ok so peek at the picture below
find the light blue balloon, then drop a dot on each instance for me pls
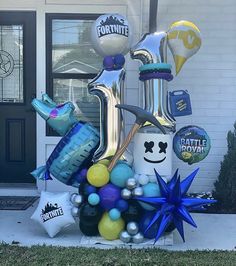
(114, 214)
(150, 190)
(120, 174)
(93, 199)
(59, 117)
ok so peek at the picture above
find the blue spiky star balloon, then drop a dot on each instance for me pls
(173, 206)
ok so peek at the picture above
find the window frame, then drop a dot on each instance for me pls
(50, 76)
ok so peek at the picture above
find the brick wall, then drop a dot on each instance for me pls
(209, 76)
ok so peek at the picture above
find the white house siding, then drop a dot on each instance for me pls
(209, 76)
(133, 10)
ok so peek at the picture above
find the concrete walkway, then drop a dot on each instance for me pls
(215, 231)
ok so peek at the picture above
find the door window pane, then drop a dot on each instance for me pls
(72, 50)
(11, 64)
(75, 90)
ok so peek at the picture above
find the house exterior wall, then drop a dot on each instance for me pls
(209, 77)
(133, 10)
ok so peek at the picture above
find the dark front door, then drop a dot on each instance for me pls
(17, 88)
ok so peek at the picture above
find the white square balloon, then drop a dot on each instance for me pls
(153, 150)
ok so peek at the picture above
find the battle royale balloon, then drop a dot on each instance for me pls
(191, 144)
(184, 40)
(151, 50)
(111, 35)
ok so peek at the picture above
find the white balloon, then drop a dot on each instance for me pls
(54, 212)
(111, 35)
(143, 179)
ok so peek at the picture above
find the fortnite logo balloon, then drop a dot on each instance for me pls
(111, 35)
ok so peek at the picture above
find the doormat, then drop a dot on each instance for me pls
(16, 202)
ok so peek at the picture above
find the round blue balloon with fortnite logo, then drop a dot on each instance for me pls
(191, 144)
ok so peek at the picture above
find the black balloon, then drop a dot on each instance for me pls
(85, 189)
(170, 228)
(90, 215)
(133, 213)
(89, 229)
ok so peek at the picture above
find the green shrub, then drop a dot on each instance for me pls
(225, 186)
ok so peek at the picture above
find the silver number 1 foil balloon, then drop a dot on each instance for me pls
(152, 49)
(108, 86)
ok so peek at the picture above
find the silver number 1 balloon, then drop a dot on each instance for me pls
(108, 86)
(152, 48)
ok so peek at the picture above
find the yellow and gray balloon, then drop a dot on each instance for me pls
(184, 40)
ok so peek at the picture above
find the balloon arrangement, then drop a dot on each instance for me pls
(115, 200)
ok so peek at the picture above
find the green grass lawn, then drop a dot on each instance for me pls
(42, 255)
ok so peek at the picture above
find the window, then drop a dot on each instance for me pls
(72, 63)
(11, 64)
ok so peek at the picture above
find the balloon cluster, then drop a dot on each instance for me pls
(109, 204)
(112, 201)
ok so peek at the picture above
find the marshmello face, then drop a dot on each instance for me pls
(151, 151)
(149, 147)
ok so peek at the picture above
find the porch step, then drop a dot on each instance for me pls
(18, 190)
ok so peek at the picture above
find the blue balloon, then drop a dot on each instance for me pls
(114, 214)
(93, 199)
(150, 190)
(120, 174)
(59, 117)
(191, 144)
(73, 153)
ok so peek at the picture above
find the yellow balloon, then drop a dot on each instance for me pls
(108, 229)
(184, 40)
(98, 175)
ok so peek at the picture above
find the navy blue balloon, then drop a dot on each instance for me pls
(108, 62)
(80, 177)
(86, 189)
(145, 221)
(173, 206)
(122, 205)
(119, 61)
(90, 189)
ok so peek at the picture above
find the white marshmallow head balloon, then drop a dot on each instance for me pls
(54, 212)
(111, 35)
(152, 150)
(184, 40)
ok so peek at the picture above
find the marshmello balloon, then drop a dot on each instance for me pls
(111, 35)
(151, 151)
